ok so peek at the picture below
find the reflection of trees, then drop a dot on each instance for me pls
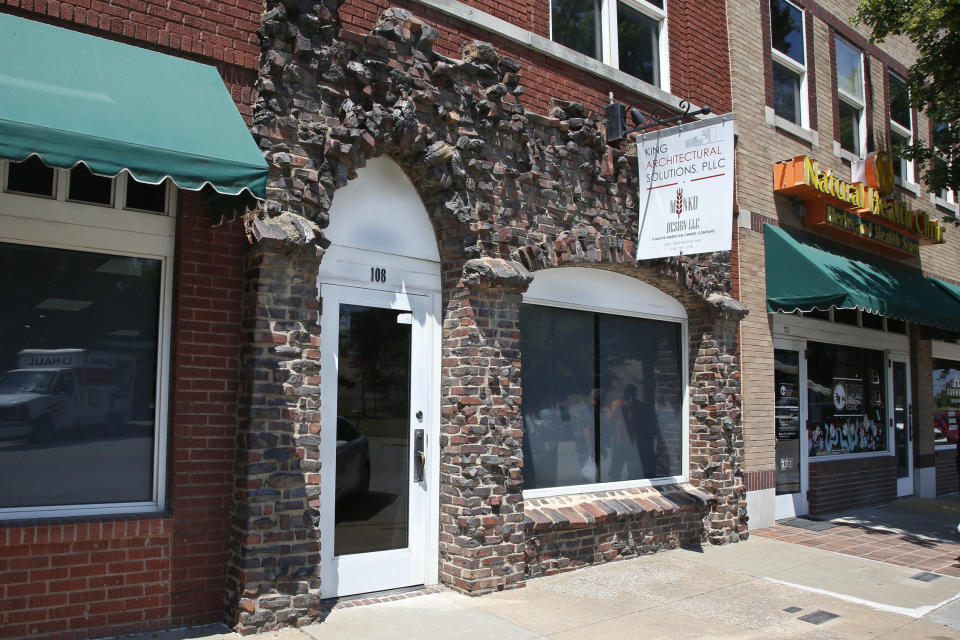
(375, 355)
(783, 23)
(575, 25)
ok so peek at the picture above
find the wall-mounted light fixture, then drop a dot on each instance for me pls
(616, 119)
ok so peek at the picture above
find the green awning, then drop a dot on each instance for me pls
(952, 289)
(71, 98)
(804, 274)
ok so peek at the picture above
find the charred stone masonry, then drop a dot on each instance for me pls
(509, 192)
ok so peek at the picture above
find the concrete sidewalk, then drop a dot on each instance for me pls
(761, 588)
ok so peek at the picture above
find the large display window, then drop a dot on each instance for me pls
(604, 364)
(83, 347)
(946, 401)
(602, 397)
(845, 400)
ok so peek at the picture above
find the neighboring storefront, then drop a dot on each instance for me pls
(848, 255)
(843, 378)
(946, 413)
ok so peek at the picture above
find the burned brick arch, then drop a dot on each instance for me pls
(507, 192)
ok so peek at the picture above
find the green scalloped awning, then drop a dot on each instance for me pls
(804, 274)
(71, 98)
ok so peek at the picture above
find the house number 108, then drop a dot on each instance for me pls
(378, 274)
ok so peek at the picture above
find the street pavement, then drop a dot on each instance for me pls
(891, 572)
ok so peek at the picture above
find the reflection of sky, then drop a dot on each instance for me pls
(848, 69)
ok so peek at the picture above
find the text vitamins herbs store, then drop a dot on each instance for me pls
(852, 337)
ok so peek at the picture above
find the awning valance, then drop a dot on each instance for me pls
(69, 97)
(804, 274)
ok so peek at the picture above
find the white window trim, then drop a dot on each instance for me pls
(902, 131)
(562, 300)
(609, 39)
(800, 69)
(946, 198)
(852, 100)
(945, 351)
(57, 223)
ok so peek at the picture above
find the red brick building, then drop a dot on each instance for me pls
(429, 355)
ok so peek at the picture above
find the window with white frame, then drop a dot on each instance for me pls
(788, 49)
(604, 387)
(630, 35)
(941, 145)
(901, 126)
(853, 126)
(85, 276)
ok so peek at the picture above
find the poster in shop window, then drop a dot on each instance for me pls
(685, 194)
(946, 401)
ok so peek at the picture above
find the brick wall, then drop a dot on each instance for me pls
(692, 30)
(203, 412)
(946, 471)
(572, 531)
(80, 579)
(845, 484)
(223, 31)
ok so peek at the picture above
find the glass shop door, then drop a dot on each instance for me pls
(790, 438)
(901, 421)
(376, 396)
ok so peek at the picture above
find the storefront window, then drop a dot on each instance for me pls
(78, 383)
(845, 387)
(602, 397)
(946, 401)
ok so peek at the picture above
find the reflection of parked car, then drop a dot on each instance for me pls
(353, 460)
(945, 428)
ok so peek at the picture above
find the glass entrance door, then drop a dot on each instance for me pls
(373, 439)
(902, 423)
(789, 437)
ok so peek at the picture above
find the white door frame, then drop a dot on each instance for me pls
(795, 504)
(905, 484)
(355, 276)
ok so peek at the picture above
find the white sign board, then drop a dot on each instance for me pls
(686, 189)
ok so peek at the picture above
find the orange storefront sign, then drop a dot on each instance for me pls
(855, 211)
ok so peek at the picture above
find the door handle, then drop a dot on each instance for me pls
(419, 457)
(910, 422)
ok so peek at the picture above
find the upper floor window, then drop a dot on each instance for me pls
(628, 34)
(788, 50)
(944, 161)
(853, 128)
(901, 126)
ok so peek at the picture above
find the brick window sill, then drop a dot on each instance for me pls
(584, 510)
(93, 528)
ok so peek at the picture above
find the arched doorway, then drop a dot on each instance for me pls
(379, 287)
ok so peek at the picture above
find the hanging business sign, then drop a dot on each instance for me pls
(686, 189)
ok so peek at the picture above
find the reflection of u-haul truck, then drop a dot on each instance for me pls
(59, 389)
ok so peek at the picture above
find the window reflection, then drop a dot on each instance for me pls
(602, 397)
(78, 340)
